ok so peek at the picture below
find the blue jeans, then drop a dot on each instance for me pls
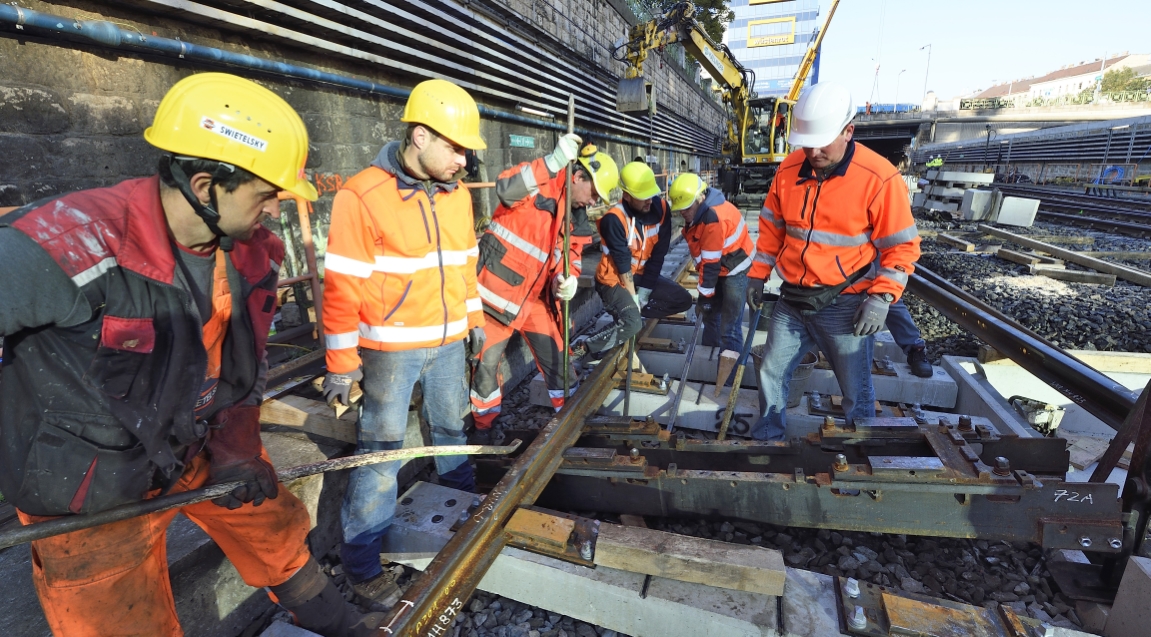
(903, 329)
(793, 333)
(723, 326)
(370, 501)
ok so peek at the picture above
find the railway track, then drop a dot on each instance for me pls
(1123, 216)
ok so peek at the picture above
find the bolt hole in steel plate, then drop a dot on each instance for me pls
(406, 501)
(436, 519)
(450, 503)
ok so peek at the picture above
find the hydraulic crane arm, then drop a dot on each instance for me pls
(808, 61)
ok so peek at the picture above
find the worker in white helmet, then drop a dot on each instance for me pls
(837, 226)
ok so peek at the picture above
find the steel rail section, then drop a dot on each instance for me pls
(448, 581)
(1103, 397)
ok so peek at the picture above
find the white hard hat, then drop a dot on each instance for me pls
(820, 115)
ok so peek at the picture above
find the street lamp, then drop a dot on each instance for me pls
(898, 77)
(928, 70)
(987, 145)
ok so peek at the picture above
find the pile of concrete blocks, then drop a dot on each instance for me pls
(946, 189)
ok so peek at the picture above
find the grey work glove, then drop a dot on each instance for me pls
(871, 316)
(566, 151)
(705, 303)
(339, 387)
(644, 294)
(475, 343)
(755, 293)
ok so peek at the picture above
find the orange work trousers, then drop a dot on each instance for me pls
(112, 580)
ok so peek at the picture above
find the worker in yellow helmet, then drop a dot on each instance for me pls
(521, 274)
(719, 243)
(401, 307)
(136, 319)
(635, 234)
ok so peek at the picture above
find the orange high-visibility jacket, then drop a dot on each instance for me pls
(642, 240)
(718, 241)
(820, 232)
(400, 270)
(521, 251)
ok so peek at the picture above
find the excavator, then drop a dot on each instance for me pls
(757, 127)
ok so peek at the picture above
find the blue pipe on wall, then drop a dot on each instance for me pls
(109, 35)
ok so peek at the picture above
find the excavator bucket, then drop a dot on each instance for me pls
(634, 96)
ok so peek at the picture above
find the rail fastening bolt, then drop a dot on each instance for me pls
(585, 550)
(1085, 542)
(851, 587)
(840, 462)
(965, 423)
(858, 619)
(828, 422)
(1002, 466)
(634, 454)
(1115, 543)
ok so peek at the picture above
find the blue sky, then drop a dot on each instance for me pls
(974, 42)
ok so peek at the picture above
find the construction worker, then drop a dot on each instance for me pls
(521, 265)
(722, 250)
(400, 307)
(635, 235)
(135, 319)
(837, 227)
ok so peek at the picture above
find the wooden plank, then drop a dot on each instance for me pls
(1127, 274)
(1016, 257)
(551, 530)
(690, 559)
(1085, 450)
(1074, 276)
(1125, 460)
(311, 416)
(633, 520)
(965, 246)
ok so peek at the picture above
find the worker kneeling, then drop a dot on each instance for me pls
(837, 226)
(635, 235)
(722, 250)
(136, 318)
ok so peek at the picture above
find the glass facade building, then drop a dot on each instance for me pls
(770, 37)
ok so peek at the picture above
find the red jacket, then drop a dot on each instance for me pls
(821, 232)
(521, 251)
(93, 407)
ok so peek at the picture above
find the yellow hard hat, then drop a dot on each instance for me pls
(603, 170)
(638, 180)
(685, 190)
(448, 110)
(229, 119)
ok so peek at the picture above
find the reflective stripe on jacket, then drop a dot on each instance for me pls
(818, 232)
(521, 251)
(400, 270)
(718, 241)
(641, 239)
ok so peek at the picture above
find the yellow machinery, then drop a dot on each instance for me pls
(757, 127)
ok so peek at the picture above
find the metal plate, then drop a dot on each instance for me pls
(905, 466)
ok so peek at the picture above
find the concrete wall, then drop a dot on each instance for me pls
(72, 115)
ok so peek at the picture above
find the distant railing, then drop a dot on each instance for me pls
(982, 103)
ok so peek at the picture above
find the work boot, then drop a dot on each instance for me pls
(379, 593)
(917, 360)
(317, 605)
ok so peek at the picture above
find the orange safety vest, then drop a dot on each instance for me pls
(400, 270)
(214, 331)
(521, 250)
(718, 241)
(818, 233)
(641, 239)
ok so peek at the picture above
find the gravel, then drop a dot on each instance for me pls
(1071, 315)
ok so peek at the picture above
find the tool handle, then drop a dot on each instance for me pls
(68, 524)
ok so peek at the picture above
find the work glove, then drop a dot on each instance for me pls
(234, 452)
(339, 386)
(644, 294)
(475, 343)
(566, 151)
(871, 316)
(564, 288)
(755, 293)
(705, 303)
